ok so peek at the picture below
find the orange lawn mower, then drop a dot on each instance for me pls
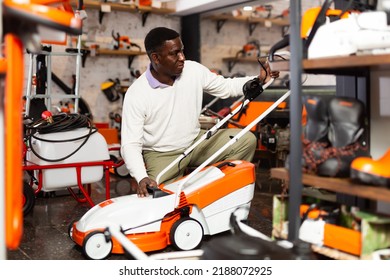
(372, 171)
(180, 213)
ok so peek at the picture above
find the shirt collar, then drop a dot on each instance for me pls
(153, 82)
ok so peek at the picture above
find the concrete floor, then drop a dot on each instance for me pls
(45, 234)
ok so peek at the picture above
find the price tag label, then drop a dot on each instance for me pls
(268, 23)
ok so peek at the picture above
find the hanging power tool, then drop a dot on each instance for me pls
(111, 89)
(116, 119)
(123, 42)
(284, 14)
(263, 9)
(251, 48)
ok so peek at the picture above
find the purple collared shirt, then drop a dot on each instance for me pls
(153, 82)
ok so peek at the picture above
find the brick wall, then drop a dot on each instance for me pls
(214, 46)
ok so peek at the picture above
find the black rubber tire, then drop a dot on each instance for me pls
(29, 198)
(70, 228)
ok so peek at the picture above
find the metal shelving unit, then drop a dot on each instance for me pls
(295, 172)
(349, 65)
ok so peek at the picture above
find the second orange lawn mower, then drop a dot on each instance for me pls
(371, 171)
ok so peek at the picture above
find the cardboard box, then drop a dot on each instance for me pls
(374, 233)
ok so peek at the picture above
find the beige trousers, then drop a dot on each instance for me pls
(243, 149)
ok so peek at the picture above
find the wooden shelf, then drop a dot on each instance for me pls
(118, 52)
(333, 253)
(338, 185)
(144, 11)
(241, 59)
(232, 61)
(125, 8)
(342, 64)
(347, 61)
(276, 21)
(129, 53)
(251, 21)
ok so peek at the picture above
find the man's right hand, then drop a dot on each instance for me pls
(141, 189)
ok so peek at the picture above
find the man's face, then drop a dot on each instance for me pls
(171, 58)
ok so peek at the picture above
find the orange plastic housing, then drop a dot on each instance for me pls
(235, 178)
(343, 239)
(11, 66)
(310, 16)
(379, 167)
(13, 140)
(58, 18)
(254, 109)
(110, 134)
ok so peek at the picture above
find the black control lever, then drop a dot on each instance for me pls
(252, 89)
(156, 192)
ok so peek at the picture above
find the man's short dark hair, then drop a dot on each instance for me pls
(156, 38)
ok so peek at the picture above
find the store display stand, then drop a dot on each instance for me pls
(358, 67)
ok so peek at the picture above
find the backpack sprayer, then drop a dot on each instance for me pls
(69, 147)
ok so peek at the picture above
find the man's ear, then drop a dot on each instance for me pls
(154, 57)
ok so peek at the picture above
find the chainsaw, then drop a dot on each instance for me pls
(123, 42)
(250, 49)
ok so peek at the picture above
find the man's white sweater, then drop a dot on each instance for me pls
(167, 118)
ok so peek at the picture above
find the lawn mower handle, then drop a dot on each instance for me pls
(208, 134)
(229, 143)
